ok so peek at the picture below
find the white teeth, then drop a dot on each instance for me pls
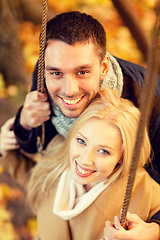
(71, 101)
(82, 171)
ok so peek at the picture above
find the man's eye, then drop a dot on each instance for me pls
(81, 141)
(104, 152)
(56, 73)
(81, 72)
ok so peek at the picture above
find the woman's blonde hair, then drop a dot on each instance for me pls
(116, 111)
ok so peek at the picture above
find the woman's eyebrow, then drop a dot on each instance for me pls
(82, 135)
(106, 146)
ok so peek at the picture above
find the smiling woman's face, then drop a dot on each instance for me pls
(95, 151)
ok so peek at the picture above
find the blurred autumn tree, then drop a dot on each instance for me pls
(12, 64)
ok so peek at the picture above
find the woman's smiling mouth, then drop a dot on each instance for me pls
(83, 172)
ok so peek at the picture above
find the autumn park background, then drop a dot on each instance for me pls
(129, 29)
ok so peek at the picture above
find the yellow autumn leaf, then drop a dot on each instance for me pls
(1, 169)
(6, 227)
(32, 226)
(4, 192)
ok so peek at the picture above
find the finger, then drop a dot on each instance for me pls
(8, 124)
(9, 141)
(5, 148)
(111, 233)
(131, 217)
(37, 96)
(42, 106)
(108, 230)
(40, 113)
(7, 134)
(117, 223)
(34, 122)
(11, 147)
(7, 145)
(132, 220)
(33, 107)
(106, 235)
(31, 118)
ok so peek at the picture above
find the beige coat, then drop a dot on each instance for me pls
(88, 225)
(19, 163)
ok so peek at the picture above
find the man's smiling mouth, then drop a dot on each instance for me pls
(72, 101)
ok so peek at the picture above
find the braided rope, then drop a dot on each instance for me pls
(145, 109)
(40, 79)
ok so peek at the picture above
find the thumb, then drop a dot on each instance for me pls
(132, 219)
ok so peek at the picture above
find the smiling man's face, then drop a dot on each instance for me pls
(73, 75)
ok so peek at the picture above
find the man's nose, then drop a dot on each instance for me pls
(70, 86)
(88, 158)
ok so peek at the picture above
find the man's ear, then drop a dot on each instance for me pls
(104, 67)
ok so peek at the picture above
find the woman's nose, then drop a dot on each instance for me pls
(87, 158)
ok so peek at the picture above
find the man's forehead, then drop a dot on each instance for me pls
(59, 41)
(59, 54)
(82, 46)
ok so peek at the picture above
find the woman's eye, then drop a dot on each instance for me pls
(81, 141)
(104, 152)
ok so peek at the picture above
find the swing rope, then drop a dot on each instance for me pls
(145, 109)
(40, 80)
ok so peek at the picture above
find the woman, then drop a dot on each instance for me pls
(84, 186)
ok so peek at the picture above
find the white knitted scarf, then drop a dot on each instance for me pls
(114, 80)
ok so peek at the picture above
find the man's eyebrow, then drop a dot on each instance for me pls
(50, 68)
(79, 68)
(86, 66)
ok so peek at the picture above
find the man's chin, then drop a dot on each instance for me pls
(71, 114)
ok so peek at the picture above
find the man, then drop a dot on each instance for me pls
(76, 67)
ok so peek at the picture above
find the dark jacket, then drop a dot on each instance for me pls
(133, 76)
